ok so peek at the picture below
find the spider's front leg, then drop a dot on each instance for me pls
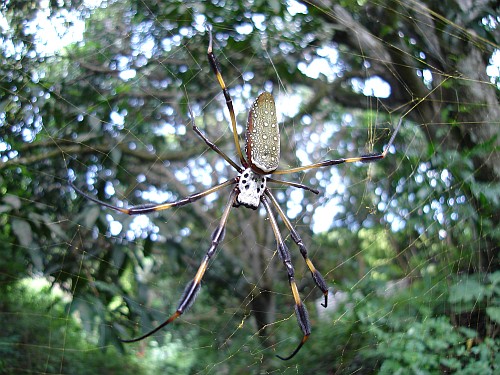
(214, 63)
(284, 254)
(363, 158)
(149, 208)
(193, 287)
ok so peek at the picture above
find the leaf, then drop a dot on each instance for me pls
(22, 230)
(92, 215)
(116, 155)
(55, 228)
(275, 6)
(5, 208)
(494, 313)
(467, 291)
(108, 287)
(451, 363)
(148, 246)
(13, 201)
(94, 123)
(119, 256)
(494, 278)
(84, 310)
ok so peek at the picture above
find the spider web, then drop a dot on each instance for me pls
(408, 245)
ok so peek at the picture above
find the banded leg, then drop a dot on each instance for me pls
(284, 254)
(148, 208)
(193, 287)
(212, 145)
(363, 158)
(316, 275)
(214, 63)
(294, 184)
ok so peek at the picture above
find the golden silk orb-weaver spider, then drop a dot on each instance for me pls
(262, 149)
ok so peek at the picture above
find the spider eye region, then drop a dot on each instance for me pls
(262, 135)
(251, 186)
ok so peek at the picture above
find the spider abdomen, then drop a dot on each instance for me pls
(262, 135)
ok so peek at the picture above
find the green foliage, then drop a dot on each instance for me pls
(434, 346)
(39, 336)
(432, 323)
(475, 295)
(400, 333)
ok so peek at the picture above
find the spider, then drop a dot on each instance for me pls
(262, 150)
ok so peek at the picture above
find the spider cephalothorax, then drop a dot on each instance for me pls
(262, 148)
(251, 187)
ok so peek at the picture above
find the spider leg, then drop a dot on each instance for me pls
(214, 63)
(284, 254)
(148, 208)
(193, 287)
(294, 184)
(316, 275)
(363, 158)
(212, 145)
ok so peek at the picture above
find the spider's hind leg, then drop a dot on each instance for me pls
(284, 254)
(193, 287)
(316, 275)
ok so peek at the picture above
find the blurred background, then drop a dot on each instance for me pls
(97, 93)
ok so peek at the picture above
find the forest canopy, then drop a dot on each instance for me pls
(102, 96)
